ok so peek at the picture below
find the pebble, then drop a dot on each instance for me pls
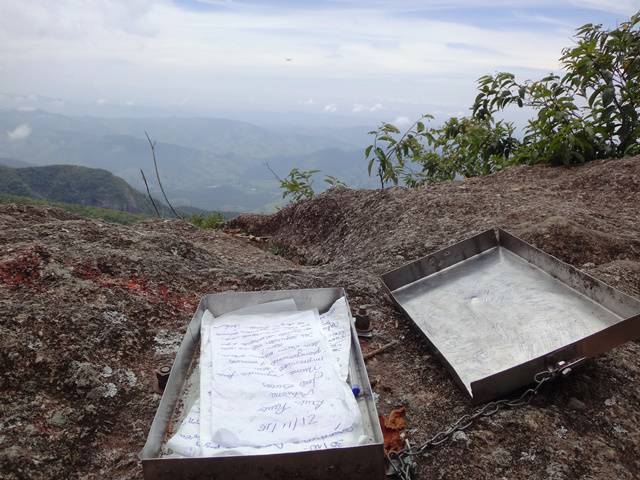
(110, 390)
(132, 380)
(460, 436)
(58, 419)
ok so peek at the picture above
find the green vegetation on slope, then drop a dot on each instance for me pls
(207, 220)
(108, 215)
(201, 220)
(73, 184)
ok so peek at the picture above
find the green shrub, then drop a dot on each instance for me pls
(209, 220)
(298, 184)
(591, 112)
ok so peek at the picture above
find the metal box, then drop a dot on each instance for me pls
(359, 462)
(498, 311)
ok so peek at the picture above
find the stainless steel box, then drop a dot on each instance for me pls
(359, 462)
(499, 310)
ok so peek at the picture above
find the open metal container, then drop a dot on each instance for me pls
(359, 462)
(498, 311)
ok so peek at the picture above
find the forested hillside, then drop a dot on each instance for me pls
(74, 184)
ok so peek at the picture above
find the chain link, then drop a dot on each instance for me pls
(401, 462)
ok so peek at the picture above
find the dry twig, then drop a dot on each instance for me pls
(381, 349)
(155, 163)
(144, 179)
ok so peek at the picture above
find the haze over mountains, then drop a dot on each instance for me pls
(210, 163)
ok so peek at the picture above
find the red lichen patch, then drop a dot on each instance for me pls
(136, 284)
(92, 269)
(153, 293)
(24, 269)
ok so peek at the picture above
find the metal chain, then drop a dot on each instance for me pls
(401, 461)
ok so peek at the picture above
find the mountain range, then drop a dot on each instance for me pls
(209, 163)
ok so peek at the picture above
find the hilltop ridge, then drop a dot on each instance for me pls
(584, 214)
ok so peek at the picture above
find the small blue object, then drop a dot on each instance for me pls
(356, 391)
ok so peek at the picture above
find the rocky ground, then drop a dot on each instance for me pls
(89, 309)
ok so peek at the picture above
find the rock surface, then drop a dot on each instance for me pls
(89, 309)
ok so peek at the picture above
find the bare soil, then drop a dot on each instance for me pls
(89, 309)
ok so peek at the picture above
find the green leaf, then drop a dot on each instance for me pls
(521, 91)
(607, 96)
(367, 151)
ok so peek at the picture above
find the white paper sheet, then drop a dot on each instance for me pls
(272, 382)
(337, 328)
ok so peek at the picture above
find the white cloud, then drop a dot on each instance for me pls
(102, 101)
(402, 121)
(330, 108)
(411, 6)
(358, 107)
(308, 101)
(625, 7)
(232, 53)
(20, 132)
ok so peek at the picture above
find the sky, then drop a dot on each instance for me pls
(326, 59)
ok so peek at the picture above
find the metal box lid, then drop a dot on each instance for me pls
(499, 310)
(357, 462)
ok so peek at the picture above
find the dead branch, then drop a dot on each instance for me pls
(274, 173)
(381, 349)
(144, 179)
(155, 163)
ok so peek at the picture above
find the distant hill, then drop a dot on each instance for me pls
(13, 162)
(74, 184)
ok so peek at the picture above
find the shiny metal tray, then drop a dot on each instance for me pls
(360, 462)
(498, 310)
